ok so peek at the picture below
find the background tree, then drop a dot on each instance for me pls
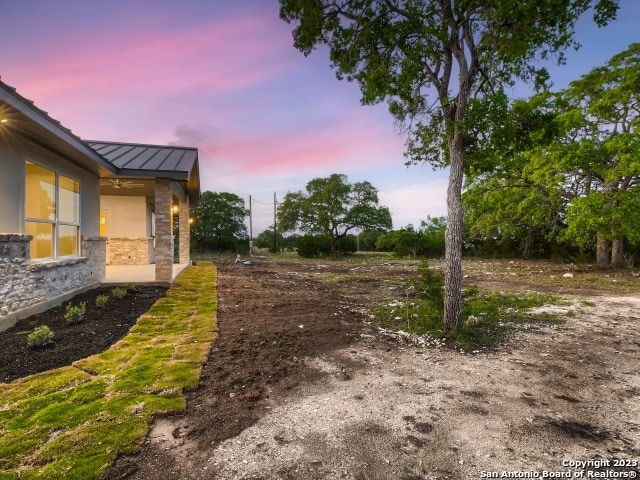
(266, 238)
(218, 222)
(334, 207)
(405, 51)
(512, 195)
(601, 155)
(367, 240)
(566, 168)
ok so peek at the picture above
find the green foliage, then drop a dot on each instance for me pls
(460, 52)
(311, 246)
(131, 288)
(266, 240)
(119, 293)
(426, 241)
(75, 313)
(496, 313)
(332, 206)
(564, 166)
(218, 222)
(102, 300)
(368, 238)
(40, 337)
(429, 284)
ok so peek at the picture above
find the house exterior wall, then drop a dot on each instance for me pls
(14, 152)
(130, 241)
(129, 216)
(30, 286)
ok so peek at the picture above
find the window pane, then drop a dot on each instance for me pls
(69, 200)
(42, 242)
(68, 240)
(40, 192)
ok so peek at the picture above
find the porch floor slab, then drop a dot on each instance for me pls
(137, 274)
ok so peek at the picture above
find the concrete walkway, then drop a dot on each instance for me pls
(138, 274)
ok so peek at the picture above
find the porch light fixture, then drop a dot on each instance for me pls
(191, 221)
(4, 120)
(175, 208)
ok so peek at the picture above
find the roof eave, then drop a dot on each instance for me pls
(85, 156)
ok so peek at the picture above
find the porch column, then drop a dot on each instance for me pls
(164, 234)
(185, 232)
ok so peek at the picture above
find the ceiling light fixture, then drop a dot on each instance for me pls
(4, 120)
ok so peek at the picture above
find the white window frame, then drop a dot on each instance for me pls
(56, 222)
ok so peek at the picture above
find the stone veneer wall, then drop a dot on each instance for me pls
(131, 251)
(28, 287)
(164, 233)
(184, 237)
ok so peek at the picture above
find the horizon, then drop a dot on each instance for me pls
(227, 80)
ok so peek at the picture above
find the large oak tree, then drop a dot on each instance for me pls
(428, 58)
(334, 207)
(567, 165)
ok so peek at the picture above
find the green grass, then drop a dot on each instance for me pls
(73, 422)
(497, 313)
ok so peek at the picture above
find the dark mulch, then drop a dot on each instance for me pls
(101, 328)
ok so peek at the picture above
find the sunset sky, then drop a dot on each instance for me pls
(224, 77)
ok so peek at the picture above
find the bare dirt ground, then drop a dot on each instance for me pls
(300, 386)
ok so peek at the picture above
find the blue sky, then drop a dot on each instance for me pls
(224, 77)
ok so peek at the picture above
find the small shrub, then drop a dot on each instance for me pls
(119, 292)
(101, 300)
(75, 314)
(131, 288)
(40, 337)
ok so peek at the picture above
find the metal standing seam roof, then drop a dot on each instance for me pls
(148, 158)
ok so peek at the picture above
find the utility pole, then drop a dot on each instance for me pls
(250, 229)
(275, 228)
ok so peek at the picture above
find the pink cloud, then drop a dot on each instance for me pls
(343, 143)
(134, 73)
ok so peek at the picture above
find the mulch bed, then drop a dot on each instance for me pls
(101, 328)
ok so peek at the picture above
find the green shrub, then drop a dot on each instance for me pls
(131, 288)
(101, 300)
(75, 314)
(40, 337)
(119, 292)
(430, 284)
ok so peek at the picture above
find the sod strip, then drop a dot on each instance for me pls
(74, 421)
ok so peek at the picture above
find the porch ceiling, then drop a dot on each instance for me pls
(132, 187)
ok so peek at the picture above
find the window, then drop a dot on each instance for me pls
(52, 212)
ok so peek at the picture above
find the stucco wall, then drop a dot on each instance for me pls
(128, 216)
(14, 152)
(28, 287)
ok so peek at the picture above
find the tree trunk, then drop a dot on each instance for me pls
(617, 252)
(603, 246)
(453, 241)
(334, 249)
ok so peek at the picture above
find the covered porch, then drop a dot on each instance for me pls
(144, 210)
(138, 274)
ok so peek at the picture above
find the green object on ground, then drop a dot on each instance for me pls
(73, 422)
